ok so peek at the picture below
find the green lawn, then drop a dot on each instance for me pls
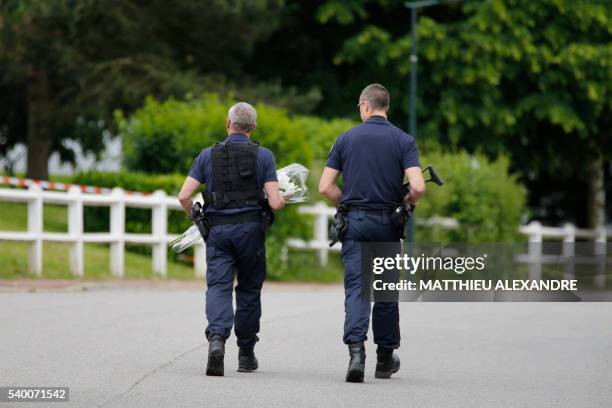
(303, 266)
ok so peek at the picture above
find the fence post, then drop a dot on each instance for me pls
(35, 227)
(568, 251)
(535, 250)
(601, 238)
(199, 260)
(284, 255)
(320, 230)
(117, 230)
(75, 229)
(160, 229)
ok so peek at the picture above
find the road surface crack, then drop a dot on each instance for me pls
(117, 398)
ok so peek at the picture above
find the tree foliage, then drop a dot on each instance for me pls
(70, 64)
(531, 78)
(503, 69)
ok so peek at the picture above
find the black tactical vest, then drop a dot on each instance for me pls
(234, 173)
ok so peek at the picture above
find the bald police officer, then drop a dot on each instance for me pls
(373, 159)
(236, 173)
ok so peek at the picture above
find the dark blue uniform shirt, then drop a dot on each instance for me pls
(372, 158)
(201, 170)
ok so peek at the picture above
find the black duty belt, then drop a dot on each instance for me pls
(370, 210)
(234, 218)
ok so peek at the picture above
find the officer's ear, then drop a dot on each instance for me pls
(227, 123)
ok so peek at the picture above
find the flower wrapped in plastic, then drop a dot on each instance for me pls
(291, 185)
(186, 239)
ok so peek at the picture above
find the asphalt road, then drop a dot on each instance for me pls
(130, 347)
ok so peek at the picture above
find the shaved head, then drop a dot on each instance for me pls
(377, 96)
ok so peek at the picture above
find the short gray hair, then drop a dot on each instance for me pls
(377, 95)
(243, 116)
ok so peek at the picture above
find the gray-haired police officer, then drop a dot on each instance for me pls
(236, 173)
(373, 158)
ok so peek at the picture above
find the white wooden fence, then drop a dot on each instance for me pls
(118, 200)
(537, 233)
(160, 204)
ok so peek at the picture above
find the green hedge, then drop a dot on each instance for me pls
(481, 194)
(165, 137)
(135, 181)
(137, 220)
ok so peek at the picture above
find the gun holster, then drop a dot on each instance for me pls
(267, 217)
(399, 218)
(200, 219)
(339, 226)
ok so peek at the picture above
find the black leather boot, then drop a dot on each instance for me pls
(357, 362)
(387, 363)
(216, 353)
(247, 361)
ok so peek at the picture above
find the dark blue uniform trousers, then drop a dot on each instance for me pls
(367, 226)
(235, 249)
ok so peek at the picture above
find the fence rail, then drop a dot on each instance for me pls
(536, 232)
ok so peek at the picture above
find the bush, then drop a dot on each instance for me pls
(322, 134)
(165, 137)
(481, 194)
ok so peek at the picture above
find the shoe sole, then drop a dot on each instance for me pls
(246, 368)
(355, 376)
(385, 374)
(215, 365)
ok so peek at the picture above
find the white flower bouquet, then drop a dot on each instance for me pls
(291, 185)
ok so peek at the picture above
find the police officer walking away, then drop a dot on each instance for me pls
(373, 158)
(236, 173)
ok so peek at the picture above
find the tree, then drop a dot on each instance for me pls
(531, 78)
(65, 66)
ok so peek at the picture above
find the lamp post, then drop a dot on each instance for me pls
(414, 6)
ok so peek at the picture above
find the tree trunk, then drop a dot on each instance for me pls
(597, 194)
(39, 125)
